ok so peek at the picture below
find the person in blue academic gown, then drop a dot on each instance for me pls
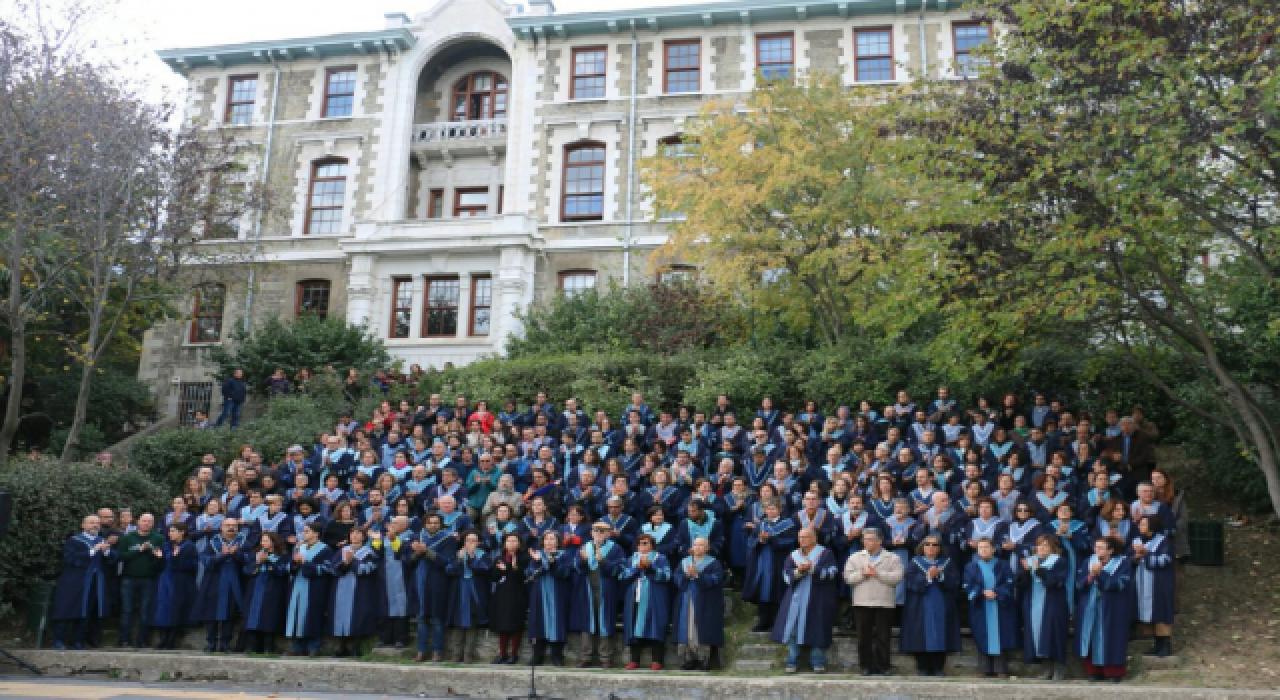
(769, 543)
(309, 593)
(738, 503)
(221, 595)
(469, 593)
(988, 584)
(1104, 610)
(353, 602)
(930, 626)
(593, 609)
(1044, 579)
(433, 550)
(809, 603)
(646, 602)
(175, 587)
(622, 526)
(1073, 537)
(701, 521)
(699, 609)
(1153, 581)
(550, 575)
(266, 587)
(82, 598)
(395, 581)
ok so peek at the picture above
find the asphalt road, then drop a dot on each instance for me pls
(27, 688)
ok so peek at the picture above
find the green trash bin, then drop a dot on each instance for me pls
(39, 603)
(1208, 542)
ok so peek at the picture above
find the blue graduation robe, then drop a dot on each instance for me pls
(993, 622)
(700, 602)
(431, 579)
(929, 620)
(266, 587)
(1104, 611)
(395, 576)
(808, 608)
(1045, 614)
(469, 592)
(353, 597)
(739, 513)
(83, 581)
(309, 593)
(550, 587)
(589, 612)
(763, 580)
(533, 530)
(627, 527)
(711, 528)
(221, 595)
(176, 586)
(1153, 581)
(646, 605)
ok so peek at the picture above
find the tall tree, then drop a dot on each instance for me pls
(1126, 155)
(796, 201)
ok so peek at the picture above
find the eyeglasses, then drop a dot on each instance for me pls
(932, 544)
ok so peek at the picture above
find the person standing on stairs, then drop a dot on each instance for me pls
(874, 574)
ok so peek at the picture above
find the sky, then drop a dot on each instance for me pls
(133, 30)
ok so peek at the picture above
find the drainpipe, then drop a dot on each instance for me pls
(924, 49)
(631, 165)
(262, 181)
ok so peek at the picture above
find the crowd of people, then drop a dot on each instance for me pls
(1046, 531)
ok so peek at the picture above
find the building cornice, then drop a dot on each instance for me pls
(742, 12)
(314, 48)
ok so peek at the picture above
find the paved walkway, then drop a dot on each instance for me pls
(13, 688)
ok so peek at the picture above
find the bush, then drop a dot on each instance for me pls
(308, 341)
(49, 500)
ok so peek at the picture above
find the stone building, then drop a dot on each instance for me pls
(434, 176)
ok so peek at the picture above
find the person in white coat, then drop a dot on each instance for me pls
(874, 574)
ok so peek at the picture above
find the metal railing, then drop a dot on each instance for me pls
(445, 132)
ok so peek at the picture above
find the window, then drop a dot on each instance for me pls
(775, 57)
(313, 298)
(874, 51)
(681, 67)
(471, 202)
(401, 306)
(441, 317)
(242, 93)
(328, 191)
(676, 146)
(678, 275)
(435, 205)
(340, 92)
(481, 304)
(588, 73)
(206, 324)
(968, 36)
(226, 203)
(584, 183)
(575, 282)
(480, 96)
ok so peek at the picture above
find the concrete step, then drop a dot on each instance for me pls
(759, 651)
(1164, 663)
(754, 665)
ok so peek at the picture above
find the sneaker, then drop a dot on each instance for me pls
(820, 669)
(789, 669)
(59, 646)
(656, 667)
(631, 666)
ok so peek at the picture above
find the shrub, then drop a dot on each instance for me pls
(49, 500)
(308, 341)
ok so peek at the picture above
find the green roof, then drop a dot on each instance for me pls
(316, 47)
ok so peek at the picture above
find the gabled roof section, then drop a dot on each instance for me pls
(707, 15)
(316, 47)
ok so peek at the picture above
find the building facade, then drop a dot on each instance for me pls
(432, 177)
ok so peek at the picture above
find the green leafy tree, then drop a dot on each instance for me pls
(308, 341)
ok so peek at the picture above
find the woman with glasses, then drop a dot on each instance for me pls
(930, 626)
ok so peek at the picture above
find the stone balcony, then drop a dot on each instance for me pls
(448, 139)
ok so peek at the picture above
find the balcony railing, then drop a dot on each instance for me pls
(442, 133)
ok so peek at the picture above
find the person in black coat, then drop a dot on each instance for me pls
(175, 587)
(509, 602)
(234, 392)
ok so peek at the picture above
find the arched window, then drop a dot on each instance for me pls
(327, 194)
(479, 96)
(583, 196)
(206, 316)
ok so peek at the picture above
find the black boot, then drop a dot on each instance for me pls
(539, 652)
(1164, 647)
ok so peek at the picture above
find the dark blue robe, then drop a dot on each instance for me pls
(431, 579)
(221, 595)
(1153, 581)
(266, 587)
(701, 598)
(588, 612)
(396, 594)
(551, 584)
(711, 528)
(83, 579)
(736, 535)
(469, 592)
(176, 586)
(763, 580)
(823, 522)
(669, 499)
(308, 601)
(993, 622)
(532, 530)
(666, 541)
(1104, 611)
(627, 527)
(646, 604)
(1045, 614)
(929, 620)
(353, 593)
(808, 608)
